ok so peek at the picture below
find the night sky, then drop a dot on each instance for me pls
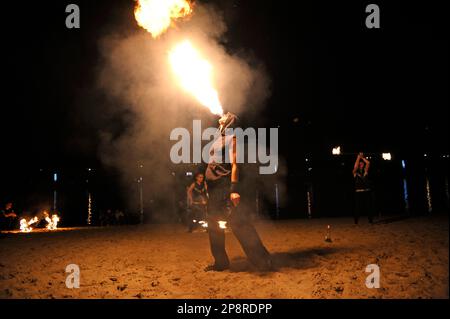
(364, 89)
(346, 84)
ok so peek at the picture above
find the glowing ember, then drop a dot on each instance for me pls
(195, 75)
(52, 223)
(336, 150)
(155, 16)
(222, 224)
(25, 225)
(386, 156)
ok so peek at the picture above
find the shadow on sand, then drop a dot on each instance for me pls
(392, 219)
(297, 259)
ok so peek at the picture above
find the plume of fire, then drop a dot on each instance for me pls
(222, 224)
(156, 16)
(194, 74)
(25, 226)
(52, 223)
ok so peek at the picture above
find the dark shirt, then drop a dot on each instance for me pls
(362, 182)
(219, 161)
(199, 192)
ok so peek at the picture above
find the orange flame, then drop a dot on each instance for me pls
(52, 223)
(25, 226)
(222, 224)
(195, 75)
(155, 16)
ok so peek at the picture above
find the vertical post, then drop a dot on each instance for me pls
(277, 202)
(428, 190)
(141, 195)
(257, 203)
(141, 200)
(405, 188)
(310, 200)
(55, 179)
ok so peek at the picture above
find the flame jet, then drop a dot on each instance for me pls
(156, 16)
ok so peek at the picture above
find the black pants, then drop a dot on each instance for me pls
(363, 205)
(220, 208)
(9, 223)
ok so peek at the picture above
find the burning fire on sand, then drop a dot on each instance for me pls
(52, 223)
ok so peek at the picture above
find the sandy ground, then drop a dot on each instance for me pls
(164, 261)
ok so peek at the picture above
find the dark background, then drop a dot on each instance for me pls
(334, 82)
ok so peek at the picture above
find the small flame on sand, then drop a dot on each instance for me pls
(194, 74)
(25, 225)
(222, 224)
(52, 223)
(156, 16)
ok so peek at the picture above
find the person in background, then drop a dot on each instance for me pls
(8, 217)
(197, 197)
(363, 191)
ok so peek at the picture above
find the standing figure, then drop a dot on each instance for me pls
(197, 196)
(363, 191)
(222, 176)
(8, 217)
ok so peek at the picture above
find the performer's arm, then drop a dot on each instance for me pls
(366, 167)
(189, 194)
(355, 167)
(234, 195)
(206, 190)
(234, 167)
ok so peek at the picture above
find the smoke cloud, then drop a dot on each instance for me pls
(136, 77)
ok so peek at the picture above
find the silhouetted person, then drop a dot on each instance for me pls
(223, 181)
(8, 217)
(197, 196)
(363, 190)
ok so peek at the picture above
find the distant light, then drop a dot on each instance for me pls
(425, 155)
(386, 156)
(336, 150)
(55, 177)
(89, 169)
(403, 164)
(188, 173)
(295, 120)
(309, 169)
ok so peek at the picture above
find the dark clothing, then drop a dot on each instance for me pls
(361, 181)
(363, 196)
(8, 223)
(219, 165)
(197, 211)
(363, 205)
(199, 193)
(220, 208)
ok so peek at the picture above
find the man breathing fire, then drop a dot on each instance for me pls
(222, 176)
